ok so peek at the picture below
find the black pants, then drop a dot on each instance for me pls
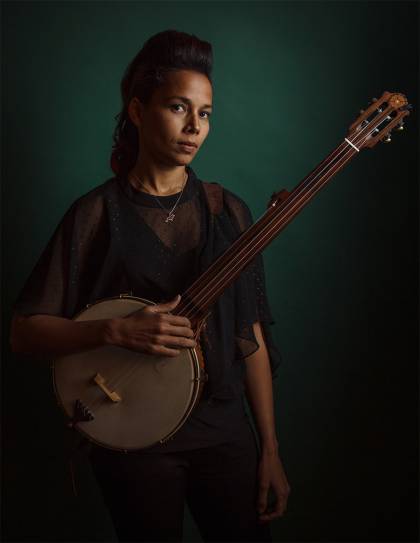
(146, 492)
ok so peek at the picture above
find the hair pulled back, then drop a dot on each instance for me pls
(164, 52)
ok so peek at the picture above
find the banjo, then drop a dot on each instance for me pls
(126, 400)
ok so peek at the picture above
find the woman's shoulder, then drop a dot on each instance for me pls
(233, 199)
(230, 198)
(89, 208)
(231, 203)
(95, 199)
(98, 193)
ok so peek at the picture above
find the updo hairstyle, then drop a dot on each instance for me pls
(164, 52)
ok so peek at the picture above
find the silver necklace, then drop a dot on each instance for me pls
(170, 214)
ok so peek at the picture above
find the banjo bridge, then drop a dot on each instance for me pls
(100, 381)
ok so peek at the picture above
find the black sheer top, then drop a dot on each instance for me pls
(115, 240)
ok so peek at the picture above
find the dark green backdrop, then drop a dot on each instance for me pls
(289, 78)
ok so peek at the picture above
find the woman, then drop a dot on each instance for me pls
(151, 230)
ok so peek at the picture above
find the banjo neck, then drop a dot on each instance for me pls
(125, 400)
(373, 125)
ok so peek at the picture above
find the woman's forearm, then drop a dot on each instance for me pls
(47, 336)
(259, 391)
(151, 330)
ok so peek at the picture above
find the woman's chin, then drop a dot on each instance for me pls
(182, 160)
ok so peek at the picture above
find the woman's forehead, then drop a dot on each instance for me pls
(193, 86)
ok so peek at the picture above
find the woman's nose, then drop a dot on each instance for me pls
(194, 124)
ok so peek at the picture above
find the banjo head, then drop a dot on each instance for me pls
(137, 400)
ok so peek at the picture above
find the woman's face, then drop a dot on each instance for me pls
(178, 111)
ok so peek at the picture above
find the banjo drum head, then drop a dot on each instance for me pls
(156, 394)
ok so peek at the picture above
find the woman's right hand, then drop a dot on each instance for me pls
(153, 330)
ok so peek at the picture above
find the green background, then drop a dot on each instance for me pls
(289, 78)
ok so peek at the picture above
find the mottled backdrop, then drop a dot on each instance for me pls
(289, 78)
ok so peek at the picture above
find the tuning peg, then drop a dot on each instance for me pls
(387, 138)
(400, 126)
(374, 99)
(361, 111)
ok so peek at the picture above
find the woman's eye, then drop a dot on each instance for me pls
(182, 105)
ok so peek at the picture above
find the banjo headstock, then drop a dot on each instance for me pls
(378, 121)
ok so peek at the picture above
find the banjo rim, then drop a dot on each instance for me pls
(195, 394)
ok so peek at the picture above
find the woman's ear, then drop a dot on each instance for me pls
(135, 111)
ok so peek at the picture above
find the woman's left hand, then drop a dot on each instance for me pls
(271, 474)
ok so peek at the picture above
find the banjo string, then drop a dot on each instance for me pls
(190, 312)
(359, 136)
(120, 379)
(266, 231)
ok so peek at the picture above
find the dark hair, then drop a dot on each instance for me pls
(164, 52)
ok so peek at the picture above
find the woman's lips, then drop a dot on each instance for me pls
(187, 148)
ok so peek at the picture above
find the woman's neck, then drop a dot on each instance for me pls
(157, 181)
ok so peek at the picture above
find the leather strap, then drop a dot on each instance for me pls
(214, 193)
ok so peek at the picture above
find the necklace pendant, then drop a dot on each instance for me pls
(170, 217)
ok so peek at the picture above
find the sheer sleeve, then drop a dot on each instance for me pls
(65, 272)
(251, 297)
(45, 289)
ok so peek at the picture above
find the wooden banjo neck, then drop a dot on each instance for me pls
(127, 400)
(373, 125)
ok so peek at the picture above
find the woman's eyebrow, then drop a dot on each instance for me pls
(187, 100)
